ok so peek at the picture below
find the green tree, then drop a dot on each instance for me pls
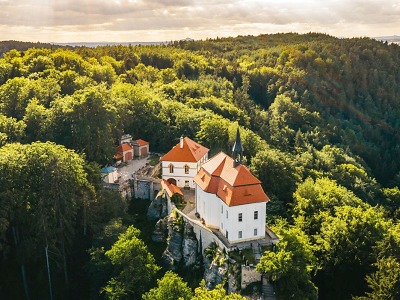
(170, 287)
(291, 264)
(219, 293)
(133, 266)
(42, 187)
(214, 134)
(385, 282)
(11, 129)
(345, 248)
(86, 122)
(314, 200)
(277, 172)
(36, 120)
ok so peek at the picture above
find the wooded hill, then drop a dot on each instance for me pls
(319, 118)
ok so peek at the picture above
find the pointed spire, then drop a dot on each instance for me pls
(237, 150)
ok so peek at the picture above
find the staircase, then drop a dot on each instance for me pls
(256, 252)
(267, 290)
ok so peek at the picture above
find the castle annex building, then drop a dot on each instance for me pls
(182, 162)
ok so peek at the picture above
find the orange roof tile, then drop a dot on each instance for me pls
(191, 152)
(118, 156)
(142, 142)
(170, 188)
(234, 185)
(124, 147)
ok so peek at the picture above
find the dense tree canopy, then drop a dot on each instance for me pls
(319, 118)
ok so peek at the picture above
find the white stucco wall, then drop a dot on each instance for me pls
(217, 214)
(179, 171)
(208, 206)
(247, 225)
(110, 177)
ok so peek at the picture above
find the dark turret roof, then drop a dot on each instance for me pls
(237, 147)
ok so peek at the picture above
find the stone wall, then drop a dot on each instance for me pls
(249, 275)
(145, 187)
(203, 234)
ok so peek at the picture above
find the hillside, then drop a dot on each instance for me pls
(319, 119)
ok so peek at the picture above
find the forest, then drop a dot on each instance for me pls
(320, 123)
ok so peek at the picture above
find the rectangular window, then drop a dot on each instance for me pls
(255, 231)
(240, 234)
(222, 225)
(240, 217)
(227, 214)
(222, 209)
(256, 215)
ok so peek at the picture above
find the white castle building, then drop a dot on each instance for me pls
(182, 162)
(229, 198)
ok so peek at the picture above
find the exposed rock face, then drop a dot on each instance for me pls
(213, 274)
(158, 208)
(233, 277)
(172, 256)
(160, 231)
(189, 246)
(182, 244)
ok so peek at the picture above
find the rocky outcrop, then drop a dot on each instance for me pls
(172, 256)
(158, 208)
(160, 232)
(189, 246)
(213, 273)
(234, 271)
(182, 244)
(220, 269)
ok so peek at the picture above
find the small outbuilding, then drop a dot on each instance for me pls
(109, 174)
(141, 148)
(124, 152)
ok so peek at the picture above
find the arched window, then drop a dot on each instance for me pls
(186, 169)
(171, 168)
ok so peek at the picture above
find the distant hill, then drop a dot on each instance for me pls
(6, 46)
(390, 39)
(95, 44)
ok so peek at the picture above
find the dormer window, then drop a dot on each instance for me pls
(186, 169)
(171, 168)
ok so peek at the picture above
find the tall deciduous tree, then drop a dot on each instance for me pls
(170, 287)
(219, 293)
(385, 282)
(133, 266)
(87, 122)
(291, 264)
(42, 185)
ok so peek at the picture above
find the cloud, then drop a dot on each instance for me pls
(202, 18)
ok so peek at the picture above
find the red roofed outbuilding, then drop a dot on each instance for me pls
(124, 151)
(141, 148)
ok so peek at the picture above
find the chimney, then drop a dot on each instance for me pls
(181, 142)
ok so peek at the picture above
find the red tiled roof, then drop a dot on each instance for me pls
(170, 188)
(142, 142)
(191, 152)
(234, 185)
(124, 147)
(118, 156)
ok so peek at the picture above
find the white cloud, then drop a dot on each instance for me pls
(145, 20)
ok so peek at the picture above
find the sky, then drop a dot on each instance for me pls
(65, 21)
